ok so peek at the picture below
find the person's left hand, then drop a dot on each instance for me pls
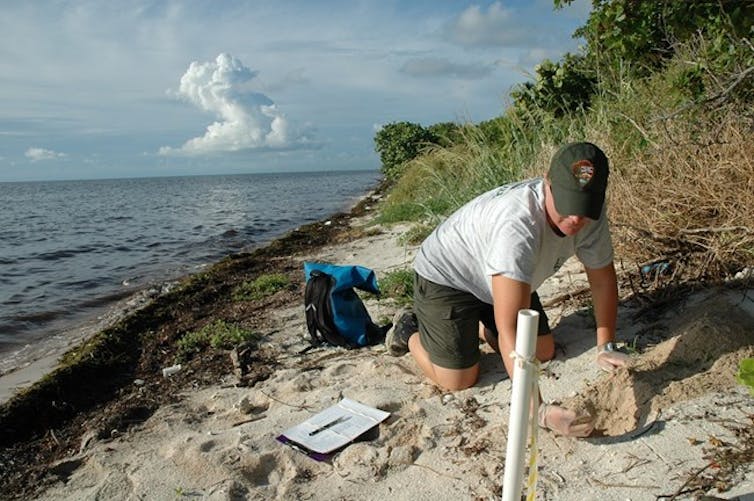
(564, 421)
(609, 358)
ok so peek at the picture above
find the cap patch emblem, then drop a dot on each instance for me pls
(583, 171)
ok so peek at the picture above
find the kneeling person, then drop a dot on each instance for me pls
(485, 262)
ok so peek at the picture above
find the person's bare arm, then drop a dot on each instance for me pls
(508, 297)
(605, 299)
(604, 287)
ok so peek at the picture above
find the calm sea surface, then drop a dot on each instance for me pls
(69, 249)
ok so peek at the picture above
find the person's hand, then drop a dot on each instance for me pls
(564, 421)
(609, 358)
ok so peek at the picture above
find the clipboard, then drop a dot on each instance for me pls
(327, 432)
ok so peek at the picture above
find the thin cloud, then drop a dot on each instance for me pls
(532, 57)
(495, 27)
(293, 78)
(39, 154)
(247, 120)
(431, 67)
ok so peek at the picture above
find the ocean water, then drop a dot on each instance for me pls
(71, 249)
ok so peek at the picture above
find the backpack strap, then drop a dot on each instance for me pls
(319, 315)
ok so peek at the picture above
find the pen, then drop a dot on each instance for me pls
(332, 423)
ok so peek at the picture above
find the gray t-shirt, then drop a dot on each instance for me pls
(505, 231)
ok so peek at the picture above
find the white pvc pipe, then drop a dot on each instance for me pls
(523, 376)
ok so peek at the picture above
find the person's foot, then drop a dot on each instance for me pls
(404, 325)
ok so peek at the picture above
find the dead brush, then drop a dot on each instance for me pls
(689, 201)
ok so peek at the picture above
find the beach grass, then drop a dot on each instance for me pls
(261, 287)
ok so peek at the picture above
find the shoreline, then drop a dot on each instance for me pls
(22, 367)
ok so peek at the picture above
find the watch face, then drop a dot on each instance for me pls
(609, 347)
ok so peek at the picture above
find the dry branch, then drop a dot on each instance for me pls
(716, 97)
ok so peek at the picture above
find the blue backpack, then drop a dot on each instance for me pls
(335, 314)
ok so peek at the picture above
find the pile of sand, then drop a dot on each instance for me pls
(701, 357)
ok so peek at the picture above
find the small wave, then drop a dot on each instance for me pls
(252, 232)
(106, 299)
(82, 285)
(55, 255)
(66, 253)
(11, 327)
(36, 317)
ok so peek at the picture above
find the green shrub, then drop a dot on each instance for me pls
(261, 287)
(445, 133)
(560, 88)
(218, 335)
(398, 143)
(398, 285)
(416, 234)
(397, 211)
(649, 32)
(745, 374)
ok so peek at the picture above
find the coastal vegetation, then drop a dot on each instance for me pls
(218, 334)
(745, 374)
(665, 88)
(261, 287)
(398, 285)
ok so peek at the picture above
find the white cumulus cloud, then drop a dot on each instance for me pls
(246, 120)
(37, 154)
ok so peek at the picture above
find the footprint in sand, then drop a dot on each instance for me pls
(207, 446)
(362, 462)
(338, 370)
(257, 469)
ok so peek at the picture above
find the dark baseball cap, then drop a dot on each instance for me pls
(578, 180)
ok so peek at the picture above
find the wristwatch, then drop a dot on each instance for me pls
(609, 346)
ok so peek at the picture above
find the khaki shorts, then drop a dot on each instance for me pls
(449, 322)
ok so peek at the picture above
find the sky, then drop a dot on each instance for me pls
(94, 89)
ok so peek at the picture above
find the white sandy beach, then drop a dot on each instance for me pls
(662, 417)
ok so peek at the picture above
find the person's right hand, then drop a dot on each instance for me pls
(564, 421)
(609, 358)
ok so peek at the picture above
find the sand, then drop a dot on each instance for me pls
(675, 411)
